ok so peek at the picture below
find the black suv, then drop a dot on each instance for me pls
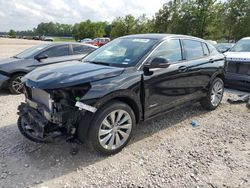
(131, 79)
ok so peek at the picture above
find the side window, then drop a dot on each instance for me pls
(205, 49)
(57, 51)
(81, 49)
(193, 49)
(212, 49)
(170, 50)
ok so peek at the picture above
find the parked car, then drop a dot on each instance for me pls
(223, 47)
(238, 65)
(131, 79)
(99, 41)
(213, 42)
(36, 38)
(48, 39)
(14, 68)
(86, 40)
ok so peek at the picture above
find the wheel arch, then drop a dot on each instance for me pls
(18, 72)
(219, 74)
(131, 103)
(127, 97)
(122, 96)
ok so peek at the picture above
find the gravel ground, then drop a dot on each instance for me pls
(10, 47)
(164, 152)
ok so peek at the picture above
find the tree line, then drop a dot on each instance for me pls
(210, 19)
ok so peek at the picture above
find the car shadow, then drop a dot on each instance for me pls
(49, 161)
(4, 92)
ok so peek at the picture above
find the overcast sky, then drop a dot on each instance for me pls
(27, 14)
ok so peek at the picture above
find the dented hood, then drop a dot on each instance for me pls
(69, 74)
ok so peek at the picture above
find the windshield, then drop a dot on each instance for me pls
(123, 52)
(30, 51)
(241, 46)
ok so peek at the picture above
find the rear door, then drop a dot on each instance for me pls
(198, 62)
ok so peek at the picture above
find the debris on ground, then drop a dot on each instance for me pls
(240, 99)
(195, 123)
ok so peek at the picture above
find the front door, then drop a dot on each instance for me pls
(55, 54)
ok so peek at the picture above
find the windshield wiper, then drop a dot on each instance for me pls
(99, 63)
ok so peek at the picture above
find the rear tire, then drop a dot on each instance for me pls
(15, 84)
(112, 127)
(214, 95)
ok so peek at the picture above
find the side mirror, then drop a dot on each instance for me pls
(41, 56)
(158, 62)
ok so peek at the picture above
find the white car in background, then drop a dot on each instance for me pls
(238, 65)
(213, 42)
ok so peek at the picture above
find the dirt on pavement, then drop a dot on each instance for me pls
(10, 47)
(164, 152)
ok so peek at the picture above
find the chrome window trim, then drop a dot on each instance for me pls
(165, 40)
(150, 54)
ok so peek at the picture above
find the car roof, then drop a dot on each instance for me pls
(161, 36)
(62, 43)
(245, 38)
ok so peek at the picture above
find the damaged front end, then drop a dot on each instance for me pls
(47, 114)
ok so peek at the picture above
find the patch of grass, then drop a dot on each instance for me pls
(63, 39)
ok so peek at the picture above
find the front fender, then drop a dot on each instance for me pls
(125, 88)
(125, 85)
(119, 95)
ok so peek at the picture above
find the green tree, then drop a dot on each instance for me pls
(203, 13)
(143, 25)
(237, 19)
(88, 29)
(130, 25)
(107, 29)
(12, 33)
(190, 17)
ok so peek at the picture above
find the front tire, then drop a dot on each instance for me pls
(214, 95)
(112, 127)
(15, 84)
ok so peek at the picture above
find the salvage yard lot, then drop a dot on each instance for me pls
(164, 152)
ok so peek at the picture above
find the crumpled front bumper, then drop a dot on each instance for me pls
(36, 121)
(45, 123)
(42, 110)
(39, 118)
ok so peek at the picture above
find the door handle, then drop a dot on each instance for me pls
(211, 60)
(183, 69)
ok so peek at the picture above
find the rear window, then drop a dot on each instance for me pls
(82, 49)
(193, 49)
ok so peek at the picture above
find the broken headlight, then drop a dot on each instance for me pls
(67, 97)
